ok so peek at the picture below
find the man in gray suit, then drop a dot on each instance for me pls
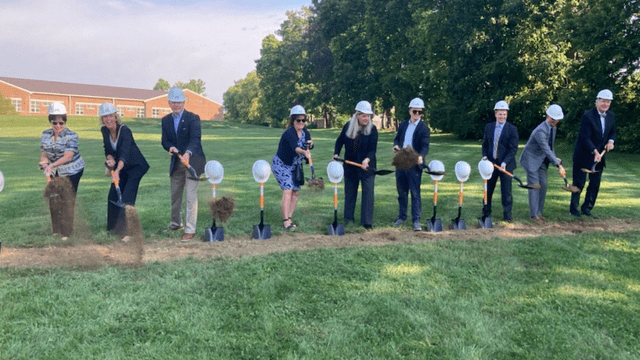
(536, 156)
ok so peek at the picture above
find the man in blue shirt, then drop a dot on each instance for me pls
(181, 135)
(412, 133)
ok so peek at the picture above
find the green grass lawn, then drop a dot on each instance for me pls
(25, 218)
(576, 297)
(565, 297)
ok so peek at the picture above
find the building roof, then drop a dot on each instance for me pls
(63, 88)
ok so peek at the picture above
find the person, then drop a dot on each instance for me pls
(360, 140)
(414, 133)
(181, 138)
(597, 133)
(60, 157)
(127, 162)
(294, 146)
(500, 145)
(536, 156)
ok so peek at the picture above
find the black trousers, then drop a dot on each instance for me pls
(579, 179)
(63, 210)
(353, 177)
(505, 191)
(129, 183)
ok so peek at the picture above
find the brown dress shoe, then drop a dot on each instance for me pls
(538, 220)
(187, 236)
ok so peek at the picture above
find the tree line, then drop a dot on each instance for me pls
(195, 85)
(460, 56)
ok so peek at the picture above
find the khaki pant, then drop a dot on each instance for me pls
(180, 183)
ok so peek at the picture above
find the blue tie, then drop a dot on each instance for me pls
(496, 138)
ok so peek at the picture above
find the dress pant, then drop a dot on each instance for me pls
(180, 183)
(537, 196)
(353, 176)
(409, 181)
(579, 179)
(129, 183)
(505, 190)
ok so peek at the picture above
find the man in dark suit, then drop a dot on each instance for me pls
(415, 133)
(597, 133)
(500, 145)
(181, 136)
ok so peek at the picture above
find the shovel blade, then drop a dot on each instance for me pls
(571, 188)
(458, 224)
(434, 225)
(335, 229)
(261, 232)
(118, 203)
(589, 171)
(214, 234)
(485, 222)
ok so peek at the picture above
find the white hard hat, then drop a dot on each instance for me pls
(1, 181)
(107, 109)
(417, 103)
(486, 169)
(436, 165)
(57, 108)
(555, 111)
(501, 105)
(214, 171)
(297, 110)
(335, 171)
(605, 94)
(463, 170)
(176, 94)
(261, 171)
(364, 107)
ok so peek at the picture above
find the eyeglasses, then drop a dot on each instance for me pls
(416, 112)
(301, 120)
(57, 123)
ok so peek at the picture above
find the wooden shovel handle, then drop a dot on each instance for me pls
(504, 171)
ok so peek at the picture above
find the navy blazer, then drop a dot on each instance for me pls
(126, 149)
(591, 137)
(289, 143)
(507, 144)
(367, 146)
(420, 139)
(187, 139)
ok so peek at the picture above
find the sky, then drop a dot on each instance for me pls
(134, 43)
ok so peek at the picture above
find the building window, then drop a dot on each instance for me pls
(120, 110)
(34, 106)
(140, 113)
(79, 109)
(129, 108)
(166, 111)
(155, 113)
(17, 103)
(91, 107)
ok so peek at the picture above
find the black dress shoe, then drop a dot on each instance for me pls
(589, 214)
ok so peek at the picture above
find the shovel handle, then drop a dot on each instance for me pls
(504, 171)
(460, 194)
(485, 192)
(213, 190)
(335, 195)
(435, 192)
(115, 182)
(353, 163)
(261, 195)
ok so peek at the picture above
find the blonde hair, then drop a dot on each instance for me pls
(354, 126)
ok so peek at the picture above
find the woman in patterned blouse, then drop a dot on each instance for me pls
(61, 161)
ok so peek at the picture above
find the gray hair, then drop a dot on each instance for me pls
(354, 126)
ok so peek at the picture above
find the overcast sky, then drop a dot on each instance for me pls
(133, 43)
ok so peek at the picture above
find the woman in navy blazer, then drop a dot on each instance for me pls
(360, 140)
(128, 164)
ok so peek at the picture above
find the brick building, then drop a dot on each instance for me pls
(31, 97)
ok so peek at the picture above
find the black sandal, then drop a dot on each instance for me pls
(291, 226)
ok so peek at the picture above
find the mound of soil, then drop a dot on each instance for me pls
(89, 255)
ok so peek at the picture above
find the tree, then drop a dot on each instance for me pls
(195, 85)
(6, 107)
(162, 85)
(242, 100)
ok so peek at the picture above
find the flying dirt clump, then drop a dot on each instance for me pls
(405, 159)
(221, 209)
(316, 184)
(134, 229)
